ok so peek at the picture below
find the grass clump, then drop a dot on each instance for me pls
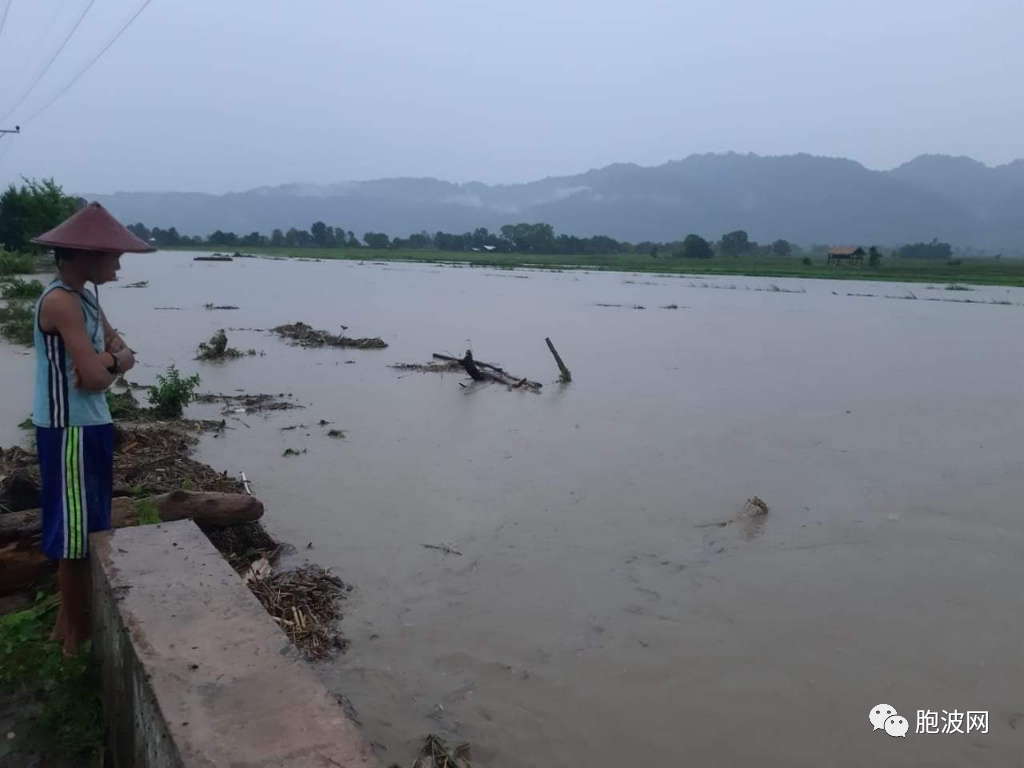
(17, 264)
(123, 405)
(68, 689)
(148, 514)
(172, 393)
(16, 288)
(16, 322)
(958, 287)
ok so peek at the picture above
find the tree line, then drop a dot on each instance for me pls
(36, 206)
(539, 238)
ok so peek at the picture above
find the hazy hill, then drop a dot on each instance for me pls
(801, 198)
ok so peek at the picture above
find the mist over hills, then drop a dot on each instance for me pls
(801, 198)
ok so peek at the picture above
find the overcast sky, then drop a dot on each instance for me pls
(222, 95)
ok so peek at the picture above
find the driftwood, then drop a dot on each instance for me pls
(209, 509)
(206, 509)
(480, 371)
(566, 373)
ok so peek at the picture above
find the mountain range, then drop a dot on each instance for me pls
(801, 198)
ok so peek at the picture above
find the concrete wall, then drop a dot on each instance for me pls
(195, 673)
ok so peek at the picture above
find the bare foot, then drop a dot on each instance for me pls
(70, 647)
(60, 628)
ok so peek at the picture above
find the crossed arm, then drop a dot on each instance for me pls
(61, 313)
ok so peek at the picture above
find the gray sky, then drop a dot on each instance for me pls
(221, 95)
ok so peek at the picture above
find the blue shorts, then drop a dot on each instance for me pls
(77, 471)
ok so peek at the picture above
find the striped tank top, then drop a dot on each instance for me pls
(57, 403)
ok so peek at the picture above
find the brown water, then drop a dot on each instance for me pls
(590, 619)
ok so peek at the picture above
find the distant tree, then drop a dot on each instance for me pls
(220, 238)
(323, 236)
(932, 250)
(874, 256)
(339, 237)
(353, 241)
(529, 238)
(30, 210)
(735, 243)
(297, 238)
(696, 247)
(445, 241)
(782, 248)
(253, 240)
(277, 239)
(140, 230)
(420, 240)
(377, 240)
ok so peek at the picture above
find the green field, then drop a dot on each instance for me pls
(976, 271)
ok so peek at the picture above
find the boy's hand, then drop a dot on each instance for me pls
(125, 358)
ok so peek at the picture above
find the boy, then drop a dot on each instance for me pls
(78, 357)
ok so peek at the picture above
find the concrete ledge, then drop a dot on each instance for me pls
(195, 673)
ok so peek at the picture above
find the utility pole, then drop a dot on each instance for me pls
(16, 129)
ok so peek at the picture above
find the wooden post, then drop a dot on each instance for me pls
(566, 373)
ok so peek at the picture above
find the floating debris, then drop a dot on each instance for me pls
(217, 348)
(242, 545)
(755, 507)
(442, 548)
(436, 754)
(140, 284)
(214, 257)
(445, 366)
(218, 306)
(305, 603)
(337, 434)
(307, 336)
(235, 404)
(289, 452)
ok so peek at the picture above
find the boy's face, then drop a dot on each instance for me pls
(105, 266)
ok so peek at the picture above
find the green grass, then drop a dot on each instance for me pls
(16, 288)
(974, 271)
(148, 514)
(16, 321)
(17, 263)
(69, 689)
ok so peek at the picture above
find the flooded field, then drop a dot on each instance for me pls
(591, 594)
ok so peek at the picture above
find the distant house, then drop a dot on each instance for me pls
(845, 255)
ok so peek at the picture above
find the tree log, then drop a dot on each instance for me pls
(566, 373)
(21, 567)
(213, 509)
(207, 509)
(479, 371)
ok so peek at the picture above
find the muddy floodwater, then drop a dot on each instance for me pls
(596, 613)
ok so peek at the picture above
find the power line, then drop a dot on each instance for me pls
(38, 46)
(49, 64)
(88, 66)
(3, 19)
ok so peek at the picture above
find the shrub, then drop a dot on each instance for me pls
(17, 288)
(172, 393)
(16, 264)
(16, 322)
